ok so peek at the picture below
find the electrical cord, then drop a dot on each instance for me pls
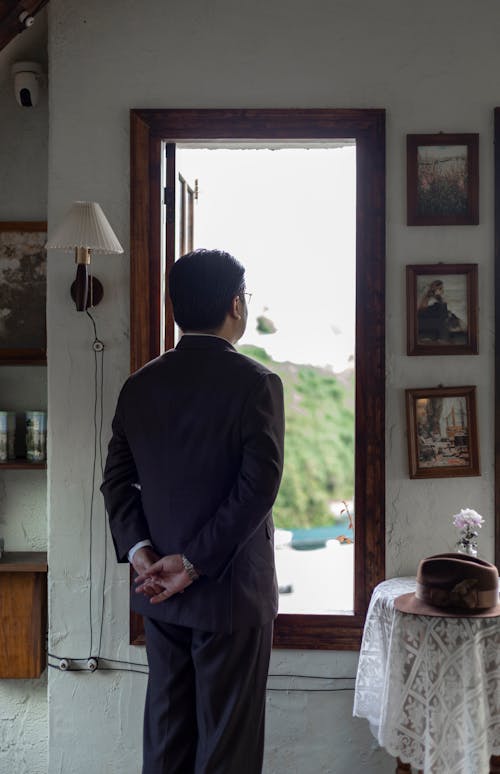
(98, 348)
(101, 465)
(315, 677)
(272, 675)
(105, 658)
(53, 655)
(129, 666)
(309, 690)
(94, 462)
(101, 669)
(146, 672)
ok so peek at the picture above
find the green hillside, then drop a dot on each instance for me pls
(319, 444)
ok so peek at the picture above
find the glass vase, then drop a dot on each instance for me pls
(469, 550)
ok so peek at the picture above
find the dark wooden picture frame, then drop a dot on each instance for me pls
(442, 179)
(442, 432)
(22, 292)
(442, 309)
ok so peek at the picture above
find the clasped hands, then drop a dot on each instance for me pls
(159, 578)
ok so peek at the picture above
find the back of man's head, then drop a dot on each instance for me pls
(202, 285)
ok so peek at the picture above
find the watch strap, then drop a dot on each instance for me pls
(189, 567)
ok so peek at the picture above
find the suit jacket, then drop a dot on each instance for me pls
(200, 429)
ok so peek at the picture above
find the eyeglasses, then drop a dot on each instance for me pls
(248, 297)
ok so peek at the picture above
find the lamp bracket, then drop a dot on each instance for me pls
(95, 292)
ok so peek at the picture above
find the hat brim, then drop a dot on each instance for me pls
(408, 603)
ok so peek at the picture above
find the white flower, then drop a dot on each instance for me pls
(468, 518)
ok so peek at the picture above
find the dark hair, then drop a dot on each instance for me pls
(202, 285)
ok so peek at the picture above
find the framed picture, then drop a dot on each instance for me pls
(441, 309)
(442, 179)
(23, 271)
(442, 432)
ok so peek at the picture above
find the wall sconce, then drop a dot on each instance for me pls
(85, 229)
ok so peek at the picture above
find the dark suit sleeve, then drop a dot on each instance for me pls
(123, 500)
(254, 492)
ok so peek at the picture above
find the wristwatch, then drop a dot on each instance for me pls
(189, 568)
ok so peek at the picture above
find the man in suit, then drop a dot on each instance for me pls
(193, 469)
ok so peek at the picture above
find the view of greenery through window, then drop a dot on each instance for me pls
(289, 216)
(319, 471)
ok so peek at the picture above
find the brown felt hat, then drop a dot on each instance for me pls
(453, 586)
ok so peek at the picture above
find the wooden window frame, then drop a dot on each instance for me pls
(497, 334)
(151, 130)
(186, 216)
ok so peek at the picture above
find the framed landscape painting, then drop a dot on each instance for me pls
(442, 309)
(442, 179)
(442, 432)
(23, 271)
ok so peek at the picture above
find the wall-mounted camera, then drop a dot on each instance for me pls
(27, 80)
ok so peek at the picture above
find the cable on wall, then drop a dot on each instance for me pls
(94, 459)
(118, 665)
(68, 668)
(98, 349)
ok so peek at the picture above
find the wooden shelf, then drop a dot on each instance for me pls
(22, 464)
(23, 561)
(23, 614)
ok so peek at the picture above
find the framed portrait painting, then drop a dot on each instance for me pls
(442, 432)
(442, 179)
(23, 270)
(442, 309)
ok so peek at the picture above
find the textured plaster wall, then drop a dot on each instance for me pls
(23, 494)
(23, 132)
(430, 66)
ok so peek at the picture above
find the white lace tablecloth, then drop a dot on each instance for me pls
(430, 687)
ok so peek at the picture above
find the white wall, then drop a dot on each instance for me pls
(23, 493)
(23, 132)
(429, 64)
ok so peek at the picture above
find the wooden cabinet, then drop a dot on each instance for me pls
(23, 614)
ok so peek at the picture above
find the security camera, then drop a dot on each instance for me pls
(27, 80)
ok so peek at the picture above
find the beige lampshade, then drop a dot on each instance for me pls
(85, 225)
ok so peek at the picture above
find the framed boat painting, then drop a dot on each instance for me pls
(442, 432)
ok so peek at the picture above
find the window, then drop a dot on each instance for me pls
(153, 133)
(301, 324)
